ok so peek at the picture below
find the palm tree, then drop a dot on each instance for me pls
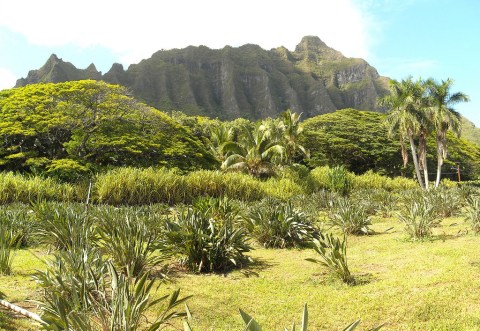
(444, 116)
(403, 116)
(291, 133)
(220, 136)
(256, 154)
(421, 108)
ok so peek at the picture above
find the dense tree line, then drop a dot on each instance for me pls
(70, 129)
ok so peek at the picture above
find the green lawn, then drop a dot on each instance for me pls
(423, 285)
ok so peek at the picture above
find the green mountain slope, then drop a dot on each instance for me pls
(247, 81)
(470, 132)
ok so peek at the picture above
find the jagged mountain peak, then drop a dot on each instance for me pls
(314, 47)
(245, 81)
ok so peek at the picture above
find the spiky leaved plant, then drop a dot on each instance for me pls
(252, 325)
(58, 225)
(205, 244)
(126, 237)
(8, 244)
(419, 218)
(333, 252)
(350, 216)
(278, 224)
(446, 201)
(472, 211)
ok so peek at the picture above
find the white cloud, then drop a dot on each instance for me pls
(7, 79)
(136, 29)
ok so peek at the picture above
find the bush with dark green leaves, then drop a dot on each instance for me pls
(205, 244)
(126, 237)
(419, 218)
(276, 224)
(350, 216)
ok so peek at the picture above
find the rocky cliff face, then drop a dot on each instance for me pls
(247, 81)
(56, 70)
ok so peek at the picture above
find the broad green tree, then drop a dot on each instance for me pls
(444, 117)
(90, 123)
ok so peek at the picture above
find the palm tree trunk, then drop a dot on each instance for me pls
(439, 164)
(415, 160)
(441, 155)
(422, 146)
(404, 152)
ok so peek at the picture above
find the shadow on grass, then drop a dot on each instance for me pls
(445, 237)
(257, 264)
(363, 279)
(176, 271)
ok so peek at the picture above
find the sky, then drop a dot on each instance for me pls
(418, 38)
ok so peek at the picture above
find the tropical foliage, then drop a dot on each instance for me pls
(276, 224)
(333, 252)
(89, 124)
(418, 108)
(206, 244)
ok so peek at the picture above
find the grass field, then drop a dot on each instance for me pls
(408, 285)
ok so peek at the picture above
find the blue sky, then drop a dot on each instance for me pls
(421, 38)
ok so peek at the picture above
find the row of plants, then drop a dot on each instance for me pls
(135, 186)
(104, 257)
(201, 233)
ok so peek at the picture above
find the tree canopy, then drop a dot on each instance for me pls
(93, 124)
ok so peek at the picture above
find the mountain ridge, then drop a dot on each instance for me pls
(246, 81)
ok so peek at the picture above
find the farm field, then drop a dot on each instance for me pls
(406, 284)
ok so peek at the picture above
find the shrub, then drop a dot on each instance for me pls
(376, 201)
(472, 211)
(205, 244)
(467, 191)
(419, 217)
(232, 184)
(72, 284)
(67, 170)
(336, 179)
(282, 188)
(301, 175)
(446, 201)
(134, 186)
(334, 256)
(220, 209)
(83, 292)
(351, 217)
(18, 217)
(126, 238)
(252, 325)
(371, 180)
(279, 224)
(313, 204)
(19, 188)
(8, 244)
(59, 225)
